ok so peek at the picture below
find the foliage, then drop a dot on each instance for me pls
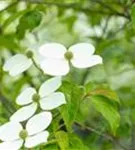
(99, 113)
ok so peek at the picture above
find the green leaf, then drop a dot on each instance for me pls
(70, 22)
(106, 93)
(8, 41)
(95, 20)
(28, 21)
(76, 143)
(70, 111)
(51, 147)
(12, 18)
(93, 90)
(133, 14)
(108, 110)
(62, 139)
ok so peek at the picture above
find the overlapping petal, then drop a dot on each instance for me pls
(38, 123)
(82, 50)
(36, 139)
(17, 64)
(86, 62)
(24, 113)
(10, 131)
(55, 67)
(14, 145)
(83, 55)
(52, 101)
(56, 64)
(52, 50)
(26, 96)
(50, 86)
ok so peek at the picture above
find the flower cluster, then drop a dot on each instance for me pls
(13, 134)
(56, 59)
(27, 126)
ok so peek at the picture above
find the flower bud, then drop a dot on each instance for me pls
(29, 54)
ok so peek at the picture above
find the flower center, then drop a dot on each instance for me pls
(68, 55)
(23, 134)
(36, 98)
(29, 54)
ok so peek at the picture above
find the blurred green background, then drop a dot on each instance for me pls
(108, 24)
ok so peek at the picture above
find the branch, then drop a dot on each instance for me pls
(9, 6)
(104, 5)
(118, 31)
(75, 6)
(108, 137)
(87, 10)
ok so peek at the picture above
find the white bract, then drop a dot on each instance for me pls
(57, 58)
(17, 64)
(14, 135)
(46, 97)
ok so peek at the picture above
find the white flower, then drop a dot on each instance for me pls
(14, 135)
(17, 64)
(56, 57)
(46, 97)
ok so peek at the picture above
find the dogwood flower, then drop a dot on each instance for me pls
(18, 63)
(57, 58)
(14, 135)
(46, 97)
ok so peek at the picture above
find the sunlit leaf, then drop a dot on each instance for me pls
(62, 139)
(109, 111)
(69, 111)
